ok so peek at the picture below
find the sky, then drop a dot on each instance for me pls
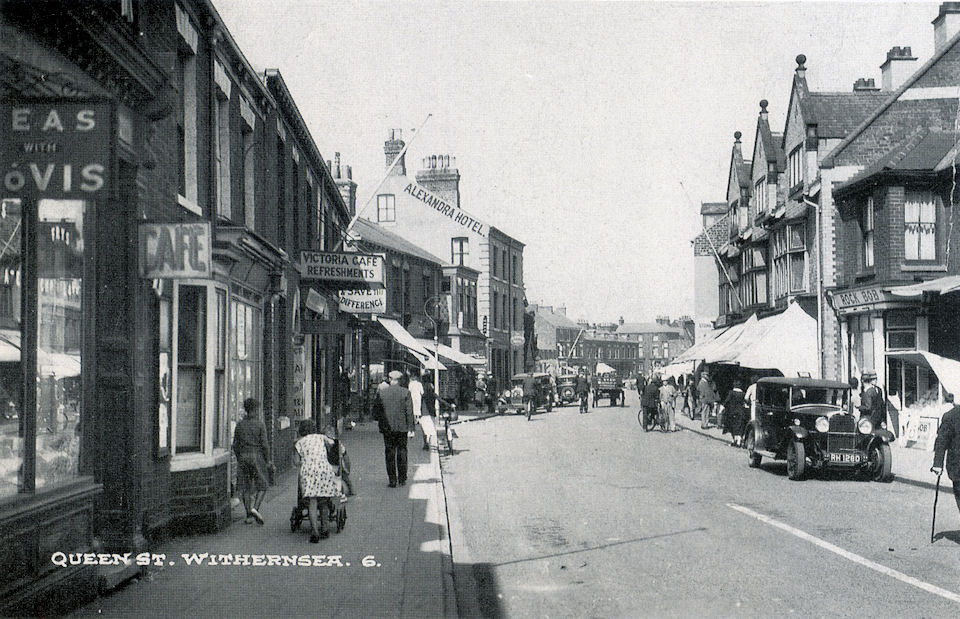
(591, 131)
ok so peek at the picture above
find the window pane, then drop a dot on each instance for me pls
(60, 287)
(911, 210)
(911, 242)
(797, 264)
(191, 356)
(797, 237)
(928, 241)
(11, 369)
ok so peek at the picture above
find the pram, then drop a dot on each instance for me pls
(337, 505)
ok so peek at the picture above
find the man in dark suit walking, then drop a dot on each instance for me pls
(948, 443)
(396, 423)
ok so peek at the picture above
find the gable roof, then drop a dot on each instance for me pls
(371, 233)
(631, 328)
(738, 168)
(830, 160)
(837, 114)
(713, 208)
(555, 319)
(718, 234)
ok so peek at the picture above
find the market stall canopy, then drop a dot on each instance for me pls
(941, 285)
(403, 337)
(786, 342)
(603, 368)
(947, 370)
(679, 368)
(720, 349)
(452, 353)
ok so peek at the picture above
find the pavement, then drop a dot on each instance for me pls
(393, 559)
(911, 466)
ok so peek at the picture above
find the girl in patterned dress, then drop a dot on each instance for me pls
(318, 479)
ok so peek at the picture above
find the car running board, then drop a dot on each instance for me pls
(765, 454)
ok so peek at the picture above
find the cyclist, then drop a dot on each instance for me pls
(583, 390)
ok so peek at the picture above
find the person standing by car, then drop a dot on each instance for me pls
(583, 391)
(708, 399)
(529, 394)
(855, 400)
(668, 393)
(734, 416)
(948, 444)
(872, 405)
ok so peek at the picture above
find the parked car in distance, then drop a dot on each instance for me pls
(808, 423)
(567, 389)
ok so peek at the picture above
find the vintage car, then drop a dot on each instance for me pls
(567, 389)
(513, 398)
(808, 423)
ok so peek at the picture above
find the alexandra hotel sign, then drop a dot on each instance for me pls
(58, 150)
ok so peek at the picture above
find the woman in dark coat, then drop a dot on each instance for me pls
(734, 414)
(252, 449)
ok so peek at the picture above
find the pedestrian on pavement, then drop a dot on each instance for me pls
(492, 394)
(583, 390)
(641, 383)
(668, 395)
(397, 423)
(734, 416)
(948, 443)
(595, 388)
(416, 396)
(750, 397)
(318, 479)
(680, 405)
(529, 392)
(707, 394)
(856, 401)
(428, 414)
(650, 399)
(252, 449)
(872, 405)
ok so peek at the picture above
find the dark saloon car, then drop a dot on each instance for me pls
(513, 398)
(808, 423)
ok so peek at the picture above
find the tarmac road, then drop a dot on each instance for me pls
(572, 515)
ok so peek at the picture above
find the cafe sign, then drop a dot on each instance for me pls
(342, 267)
(55, 149)
(177, 250)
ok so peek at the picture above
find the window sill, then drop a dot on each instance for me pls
(865, 274)
(189, 462)
(190, 205)
(917, 267)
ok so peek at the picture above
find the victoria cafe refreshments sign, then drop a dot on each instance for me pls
(56, 149)
(345, 270)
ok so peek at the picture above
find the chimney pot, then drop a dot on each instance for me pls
(392, 133)
(898, 66)
(947, 24)
(349, 173)
(329, 165)
(336, 172)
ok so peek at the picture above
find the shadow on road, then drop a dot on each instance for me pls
(953, 536)
(602, 546)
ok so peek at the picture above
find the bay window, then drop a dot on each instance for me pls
(789, 260)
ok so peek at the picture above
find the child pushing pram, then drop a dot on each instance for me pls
(323, 462)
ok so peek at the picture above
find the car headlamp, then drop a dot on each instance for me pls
(823, 424)
(796, 422)
(865, 426)
(883, 425)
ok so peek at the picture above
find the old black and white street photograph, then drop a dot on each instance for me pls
(448, 309)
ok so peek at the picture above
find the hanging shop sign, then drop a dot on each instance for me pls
(297, 383)
(516, 339)
(175, 250)
(852, 298)
(338, 268)
(446, 210)
(363, 301)
(55, 149)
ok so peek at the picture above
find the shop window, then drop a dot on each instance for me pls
(901, 330)
(861, 331)
(386, 208)
(246, 331)
(920, 226)
(165, 391)
(191, 362)
(866, 233)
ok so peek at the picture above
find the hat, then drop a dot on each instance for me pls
(868, 375)
(395, 374)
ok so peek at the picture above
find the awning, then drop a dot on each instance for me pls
(403, 337)
(679, 368)
(603, 368)
(719, 349)
(786, 342)
(941, 285)
(947, 370)
(452, 353)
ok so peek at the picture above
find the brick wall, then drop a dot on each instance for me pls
(199, 502)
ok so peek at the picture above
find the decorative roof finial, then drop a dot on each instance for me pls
(737, 135)
(801, 60)
(763, 106)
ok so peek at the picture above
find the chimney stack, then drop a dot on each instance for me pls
(898, 66)
(347, 188)
(562, 309)
(336, 165)
(865, 84)
(392, 148)
(946, 24)
(441, 177)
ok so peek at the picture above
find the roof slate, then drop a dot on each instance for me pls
(556, 319)
(718, 232)
(921, 151)
(372, 233)
(837, 114)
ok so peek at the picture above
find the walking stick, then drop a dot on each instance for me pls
(936, 497)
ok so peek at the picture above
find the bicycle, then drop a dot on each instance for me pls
(449, 416)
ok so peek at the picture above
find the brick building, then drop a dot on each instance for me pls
(426, 210)
(657, 343)
(143, 345)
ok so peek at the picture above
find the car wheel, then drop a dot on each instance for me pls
(753, 458)
(796, 460)
(881, 462)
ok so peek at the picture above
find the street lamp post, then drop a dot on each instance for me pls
(433, 305)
